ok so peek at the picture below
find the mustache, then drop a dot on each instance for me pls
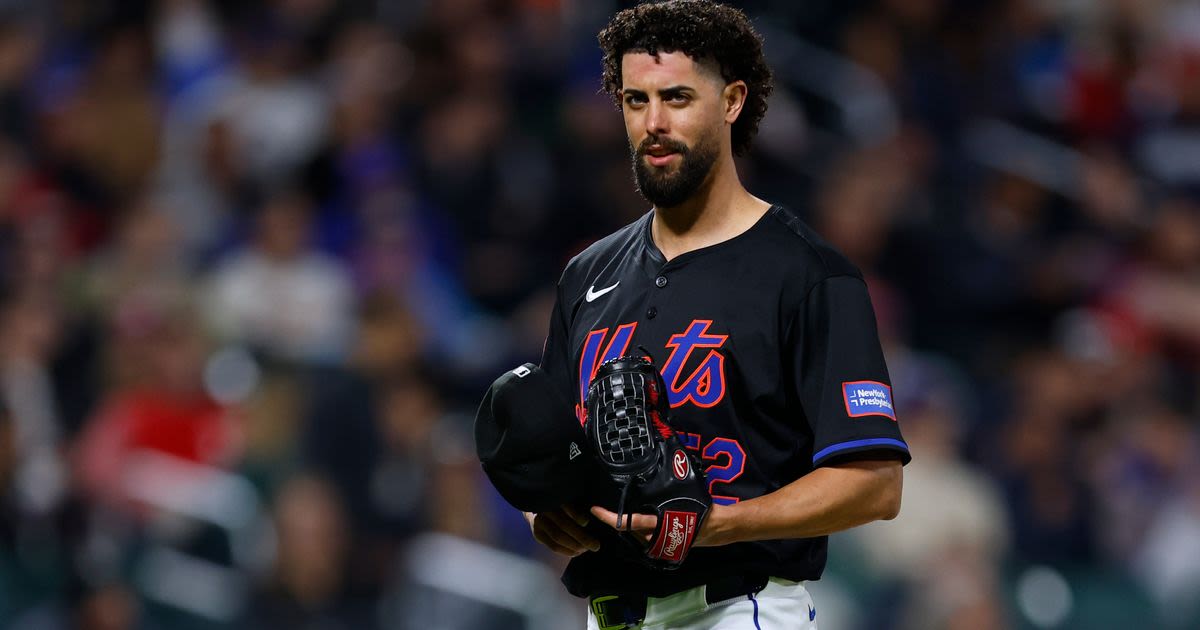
(673, 146)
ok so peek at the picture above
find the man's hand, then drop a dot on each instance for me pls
(644, 525)
(562, 531)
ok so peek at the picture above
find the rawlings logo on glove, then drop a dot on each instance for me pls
(628, 427)
(680, 528)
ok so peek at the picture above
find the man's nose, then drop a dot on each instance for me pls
(656, 118)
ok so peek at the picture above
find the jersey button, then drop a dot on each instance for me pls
(651, 313)
(660, 281)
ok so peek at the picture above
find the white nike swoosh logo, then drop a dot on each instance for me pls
(592, 293)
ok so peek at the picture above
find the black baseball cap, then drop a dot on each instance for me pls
(531, 445)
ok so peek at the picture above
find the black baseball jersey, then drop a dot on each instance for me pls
(768, 346)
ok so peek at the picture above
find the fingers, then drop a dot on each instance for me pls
(562, 535)
(546, 534)
(553, 545)
(573, 532)
(629, 522)
(562, 531)
(579, 517)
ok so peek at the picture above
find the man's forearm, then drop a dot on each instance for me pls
(827, 500)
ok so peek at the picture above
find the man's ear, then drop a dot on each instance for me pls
(734, 98)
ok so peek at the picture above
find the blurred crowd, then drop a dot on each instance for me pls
(259, 260)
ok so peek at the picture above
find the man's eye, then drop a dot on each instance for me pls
(634, 100)
(677, 98)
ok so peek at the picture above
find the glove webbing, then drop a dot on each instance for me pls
(625, 426)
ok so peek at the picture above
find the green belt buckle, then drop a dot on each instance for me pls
(601, 611)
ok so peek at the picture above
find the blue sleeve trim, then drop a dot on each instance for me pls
(830, 450)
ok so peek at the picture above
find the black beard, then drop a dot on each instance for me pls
(667, 190)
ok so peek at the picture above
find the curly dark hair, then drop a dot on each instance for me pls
(700, 29)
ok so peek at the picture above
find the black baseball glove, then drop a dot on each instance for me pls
(629, 429)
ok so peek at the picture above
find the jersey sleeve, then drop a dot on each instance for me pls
(841, 378)
(556, 362)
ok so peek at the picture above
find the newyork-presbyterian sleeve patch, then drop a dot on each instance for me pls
(868, 398)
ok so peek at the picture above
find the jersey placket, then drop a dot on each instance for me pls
(656, 312)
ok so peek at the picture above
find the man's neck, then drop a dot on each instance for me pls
(720, 210)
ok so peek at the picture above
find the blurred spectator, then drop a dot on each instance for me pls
(192, 175)
(117, 115)
(1150, 506)
(402, 484)
(1039, 450)
(341, 432)
(144, 256)
(383, 435)
(158, 402)
(1168, 80)
(1157, 298)
(950, 536)
(111, 607)
(272, 118)
(390, 337)
(281, 295)
(20, 46)
(428, 470)
(309, 585)
(29, 334)
(45, 240)
(188, 43)
(1167, 562)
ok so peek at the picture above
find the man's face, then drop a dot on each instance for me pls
(674, 115)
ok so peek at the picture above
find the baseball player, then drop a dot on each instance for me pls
(764, 335)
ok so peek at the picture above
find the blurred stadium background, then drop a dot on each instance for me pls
(260, 260)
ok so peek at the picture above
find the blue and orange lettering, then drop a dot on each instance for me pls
(734, 466)
(705, 386)
(591, 358)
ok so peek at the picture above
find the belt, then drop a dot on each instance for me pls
(626, 610)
